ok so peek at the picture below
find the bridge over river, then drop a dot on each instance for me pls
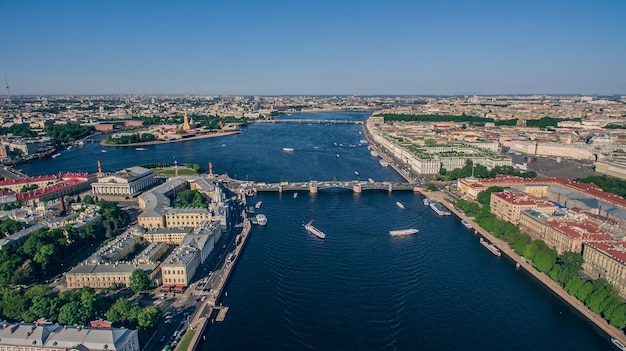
(307, 121)
(313, 186)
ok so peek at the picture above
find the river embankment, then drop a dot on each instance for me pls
(504, 247)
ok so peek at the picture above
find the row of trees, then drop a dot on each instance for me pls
(481, 171)
(548, 121)
(73, 307)
(131, 139)
(598, 295)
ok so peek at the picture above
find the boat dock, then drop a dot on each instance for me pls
(221, 315)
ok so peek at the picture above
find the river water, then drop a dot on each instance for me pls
(359, 289)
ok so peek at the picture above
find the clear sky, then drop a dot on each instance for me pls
(364, 47)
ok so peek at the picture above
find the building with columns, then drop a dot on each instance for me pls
(127, 182)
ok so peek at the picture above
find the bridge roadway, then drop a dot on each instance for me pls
(315, 186)
(306, 121)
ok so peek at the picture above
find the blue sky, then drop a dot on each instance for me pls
(228, 47)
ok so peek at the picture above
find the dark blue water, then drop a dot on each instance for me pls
(359, 289)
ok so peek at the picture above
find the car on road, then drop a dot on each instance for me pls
(203, 298)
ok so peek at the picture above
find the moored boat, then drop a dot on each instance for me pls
(426, 202)
(383, 163)
(374, 153)
(618, 344)
(439, 209)
(56, 155)
(491, 247)
(261, 219)
(467, 224)
(258, 204)
(311, 229)
(399, 204)
(403, 232)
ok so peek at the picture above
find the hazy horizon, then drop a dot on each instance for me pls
(283, 48)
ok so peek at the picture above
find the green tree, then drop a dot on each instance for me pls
(484, 197)
(139, 280)
(119, 311)
(14, 305)
(88, 200)
(148, 317)
(431, 187)
(584, 291)
(9, 226)
(618, 318)
(545, 260)
(73, 313)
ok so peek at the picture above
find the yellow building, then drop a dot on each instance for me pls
(606, 260)
(509, 205)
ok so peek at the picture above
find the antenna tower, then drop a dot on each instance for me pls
(8, 90)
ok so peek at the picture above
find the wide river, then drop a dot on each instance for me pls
(359, 289)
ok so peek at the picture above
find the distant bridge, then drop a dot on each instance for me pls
(307, 121)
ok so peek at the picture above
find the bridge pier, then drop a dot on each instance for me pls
(390, 188)
(313, 187)
(280, 188)
(357, 188)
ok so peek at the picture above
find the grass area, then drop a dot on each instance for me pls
(171, 171)
(185, 341)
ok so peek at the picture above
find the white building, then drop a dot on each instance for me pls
(126, 182)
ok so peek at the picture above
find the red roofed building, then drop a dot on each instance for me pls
(471, 187)
(606, 260)
(568, 235)
(17, 184)
(508, 205)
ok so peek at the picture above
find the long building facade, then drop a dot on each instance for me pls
(127, 182)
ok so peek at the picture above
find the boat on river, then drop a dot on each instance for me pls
(426, 202)
(295, 195)
(618, 344)
(399, 204)
(56, 155)
(383, 163)
(403, 232)
(311, 229)
(258, 204)
(261, 219)
(140, 148)
(467, 224)
(288, 149)
(439, 209)
(491, 247)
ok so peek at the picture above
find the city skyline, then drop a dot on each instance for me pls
(320, 48)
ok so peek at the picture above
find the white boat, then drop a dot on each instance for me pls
(467, 224)
(399, 204)
(439, 209)
(261, 219)
(288, 149)
(356, 173)
(258, 204)
(426, 202)
(403, 232)
(494, 250)
(618, 344)
(103, 150)
(295, 195)
(370, 180)
(311, 229)
(374, 153)
(383, 163)
(56, 155)
(337, 155)
(139, 148)
(335, 144)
